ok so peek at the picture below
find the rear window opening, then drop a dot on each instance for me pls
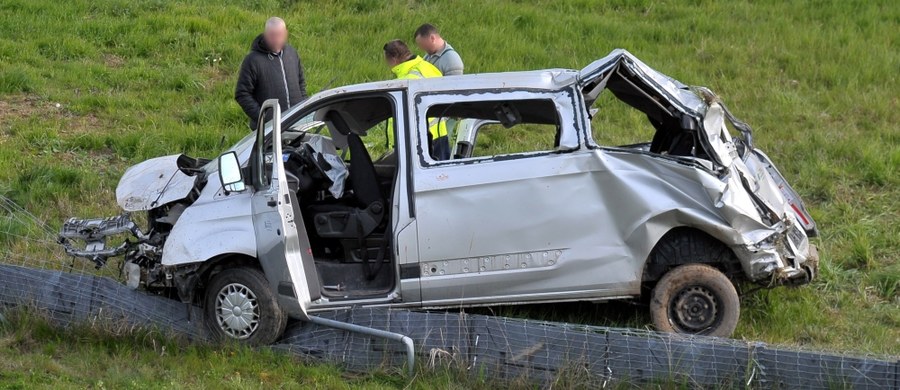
(625, 112)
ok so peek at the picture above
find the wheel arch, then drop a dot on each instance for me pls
(188, 278)
(653, 230)
(670, 250)
(227, 260)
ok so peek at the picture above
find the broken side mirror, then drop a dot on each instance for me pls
(230, 173)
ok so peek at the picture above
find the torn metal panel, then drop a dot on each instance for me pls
(676, 93)
(774, 241)
(718, 136)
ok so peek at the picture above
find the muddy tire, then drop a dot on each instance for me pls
(695, 299)
(240, 306)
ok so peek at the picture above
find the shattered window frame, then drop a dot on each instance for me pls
(566, 103)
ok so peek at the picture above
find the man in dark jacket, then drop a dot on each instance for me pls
(272, 69)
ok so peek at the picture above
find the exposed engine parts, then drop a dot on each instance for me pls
(142, 251)
(94, 233)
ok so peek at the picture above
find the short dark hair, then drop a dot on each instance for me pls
(397, 49)
(426, 30)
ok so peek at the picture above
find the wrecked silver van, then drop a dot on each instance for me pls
(299, 217)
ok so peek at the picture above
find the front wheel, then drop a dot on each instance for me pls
(240, 306)
(695, 299)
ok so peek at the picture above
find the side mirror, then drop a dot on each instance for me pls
(230, 173)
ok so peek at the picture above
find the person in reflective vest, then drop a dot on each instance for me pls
(406, 65)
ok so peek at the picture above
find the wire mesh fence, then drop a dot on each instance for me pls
(546, 352)
(34, 272)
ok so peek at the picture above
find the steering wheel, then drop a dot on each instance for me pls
(296, 170)
(303, 164)
(308, 156)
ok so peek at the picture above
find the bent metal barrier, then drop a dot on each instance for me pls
(493, 347)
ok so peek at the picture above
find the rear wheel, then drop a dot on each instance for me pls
(695, 299)
(240, 306)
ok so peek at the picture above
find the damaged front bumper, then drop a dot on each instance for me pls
(783, 258)
(94, 234)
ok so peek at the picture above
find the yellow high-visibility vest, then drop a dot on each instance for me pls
(418, 68)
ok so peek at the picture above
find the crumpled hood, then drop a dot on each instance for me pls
(153, 183)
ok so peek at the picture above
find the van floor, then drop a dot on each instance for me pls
(348, 280)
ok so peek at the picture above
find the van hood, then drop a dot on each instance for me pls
(156, 182)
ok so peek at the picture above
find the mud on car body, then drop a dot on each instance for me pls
(299, 217)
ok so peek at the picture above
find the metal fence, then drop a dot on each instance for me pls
(544, 352)
(33, 272)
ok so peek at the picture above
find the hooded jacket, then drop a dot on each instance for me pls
(267, 75)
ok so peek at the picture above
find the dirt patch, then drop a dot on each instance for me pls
(113, 61)
(79, 124)
(214, 75)
(22, 106)
(14, 107)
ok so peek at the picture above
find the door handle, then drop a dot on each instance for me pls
(272, 203)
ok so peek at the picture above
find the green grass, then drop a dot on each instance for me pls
(139, 79)
(34, 354)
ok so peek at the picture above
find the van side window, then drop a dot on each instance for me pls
(494, 128)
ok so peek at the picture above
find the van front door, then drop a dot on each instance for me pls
(283, 247)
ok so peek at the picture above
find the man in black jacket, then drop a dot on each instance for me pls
(272, 69)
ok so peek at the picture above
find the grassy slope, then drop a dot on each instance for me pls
(140, 79)
(34, 354)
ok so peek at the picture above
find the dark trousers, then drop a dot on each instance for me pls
(440, 149)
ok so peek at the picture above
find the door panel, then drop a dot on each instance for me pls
(523, 228)
(282, 252)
